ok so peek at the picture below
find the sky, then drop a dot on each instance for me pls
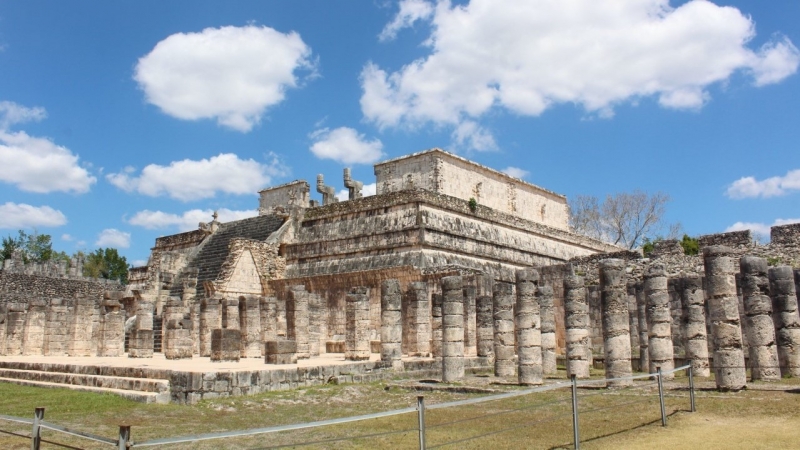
(124, 121)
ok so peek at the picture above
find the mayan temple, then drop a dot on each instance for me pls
(451, 266)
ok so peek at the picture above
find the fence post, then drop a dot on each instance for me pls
(692, 406)
(124, 437)
(421, 416)
(36, 438)
(575, 435)
(661, 397)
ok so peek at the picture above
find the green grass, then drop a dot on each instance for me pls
(626, 418)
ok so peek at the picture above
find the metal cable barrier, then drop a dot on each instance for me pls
(522, 413)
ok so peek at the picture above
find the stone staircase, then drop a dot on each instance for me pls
(210, 257)
(137, 384)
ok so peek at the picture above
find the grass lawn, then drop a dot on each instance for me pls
(764, 416)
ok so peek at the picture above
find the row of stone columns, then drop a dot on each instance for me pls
(73, 327)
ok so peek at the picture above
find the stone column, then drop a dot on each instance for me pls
(268, 311)
(658, 310)
(693, 297)
(391, 324)
(250, 320)
(15, 327)
(470, 336)
(616, 329)
(178, 335)
(485, 327)
(112, 329)
(230, 314)
(436, 325)
(80, 339)
(528, 328)
(55, 333)
(356, 342)
(633, 321)
(758, 315)
(503, 302)
(452, 329)
(723, 310)
(676, 311)
(314, 323)
(641, 312)
(419, 312)
(787, 320)
(140, 343)
(576, 321)
(548, 316)
(297, 320)
(596, 319)
(33, 333)
(210, 319)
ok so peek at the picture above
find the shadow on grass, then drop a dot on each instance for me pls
(615, 433)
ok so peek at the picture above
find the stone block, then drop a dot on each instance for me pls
(225, 344)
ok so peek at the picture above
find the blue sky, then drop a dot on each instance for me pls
(124, 121)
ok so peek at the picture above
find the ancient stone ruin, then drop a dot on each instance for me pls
(450, 268)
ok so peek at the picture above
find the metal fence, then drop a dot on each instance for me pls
(569, 405)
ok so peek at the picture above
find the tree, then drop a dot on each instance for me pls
(105, 263)
(624, 219)
(35, 247)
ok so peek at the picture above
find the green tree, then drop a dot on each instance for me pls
(690, 245)
(35, 247)
(105, 263)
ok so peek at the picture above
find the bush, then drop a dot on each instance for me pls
(690, 245)
(473, 204)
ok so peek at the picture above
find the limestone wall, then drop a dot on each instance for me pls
(443, 173)
(426, 230)
(295, 193)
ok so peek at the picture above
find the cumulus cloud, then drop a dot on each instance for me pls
(37, 164)
(231, 74)
(749, 187)
(515, 172)
(368, 190)
(192, 180)
(525, 57)
(346, 146)
(410, 12)
(189, 220)
(759, 228)
(111, 237)
(21, 215)
(12, 114)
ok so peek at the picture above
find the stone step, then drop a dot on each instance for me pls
(136, 396)
(98, 381)
(93, 370)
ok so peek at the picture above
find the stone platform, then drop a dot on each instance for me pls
(186, 381)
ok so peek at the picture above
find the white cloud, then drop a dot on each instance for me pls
(189, 220)
(111, 237)
(410, 12)
(12, 114)
(192, 180)
(138, 263)
(37, 164)
(20, 215)
(368, 190)
(525, 57)
(67, 237)
(749, 187)
(346, 146)
(759, 228)
(231, 74)
(515, 172)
